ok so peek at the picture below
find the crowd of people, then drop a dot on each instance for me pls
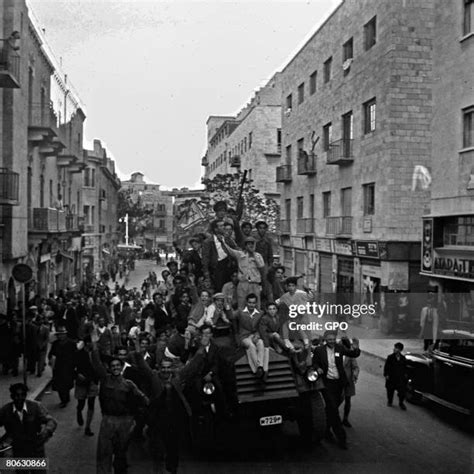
(148, 352)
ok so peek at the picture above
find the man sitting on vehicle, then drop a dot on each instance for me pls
(248, 320)
(269, 329)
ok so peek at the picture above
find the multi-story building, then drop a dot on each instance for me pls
(357, 105)
(448, 230)
(100, 186)
(157, 228)
(39, 161)
(250, 141)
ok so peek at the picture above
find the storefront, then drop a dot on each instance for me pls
(448, 262)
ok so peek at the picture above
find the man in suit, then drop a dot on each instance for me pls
(162, 313)
(328, 361)
(215, 261)
(192, 258)
(28, 424)
(395, 373)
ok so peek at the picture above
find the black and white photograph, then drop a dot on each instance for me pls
(237, 236)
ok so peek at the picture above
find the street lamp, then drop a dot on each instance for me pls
(125, 219)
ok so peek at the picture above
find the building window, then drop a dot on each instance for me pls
(327, 70)
(288, 155)
(51, 194)
(311, 206)
(468, 17)
(41, 191)
(299, 207)
(468, 133)
(459, 231)
(312, 82)
(348, 126)
(300, 146)
(288, 209)
(301, 93)
(250, 140)
(327, 204)
(348, 50)
(327, 136)
(369, 116)
(370, 33)
(369, 199)
(279, 140)
(346, 202)
(245, 144)
(289, 103)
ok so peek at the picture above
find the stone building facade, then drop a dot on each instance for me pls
(156, 231)
(357, 105)
(448, 229)
(248, 141)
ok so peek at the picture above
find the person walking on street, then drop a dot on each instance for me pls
(328, 362)
(86, 382)
(395, 373)
(28, 424)
(429, 322)
(352, 374)
(61, 360)
(119, 398)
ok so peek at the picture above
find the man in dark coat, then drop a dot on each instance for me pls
(328, 361)
(395, 373)
(62, 359)
(192, 258)
(28, 424)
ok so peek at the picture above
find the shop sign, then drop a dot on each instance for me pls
(323, 245)
(427, 246)
(366, 249)
(342, 248)
(453, 266)
(371, 271)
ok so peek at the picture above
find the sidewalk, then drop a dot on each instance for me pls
(374, 342)
(35, 384)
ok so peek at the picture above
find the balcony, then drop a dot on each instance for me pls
(305, 226)
(235, 162)
(307, 164)
(340, 152)
(285, 226)
(283, 174)
(43, 128)
(204, 161)
(9, 65)
(89, 229)
(9, 186)
(46, 219)
(339, 225)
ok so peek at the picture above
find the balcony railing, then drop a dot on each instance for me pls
(235, 162)
(283, 174)
(89, 229)
(340, 152)
(46, 219)
(305, 226)
(42, 116)
(9, 65)
(307, 164)
(9, 187)
(285, 226)
(339, 225)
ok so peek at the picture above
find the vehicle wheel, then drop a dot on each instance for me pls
(312, 419)
(412, 396)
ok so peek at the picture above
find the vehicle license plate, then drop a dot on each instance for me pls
(271, 420)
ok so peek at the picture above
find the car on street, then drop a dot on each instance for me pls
(445, 375)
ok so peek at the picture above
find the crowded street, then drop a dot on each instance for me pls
(401, 442)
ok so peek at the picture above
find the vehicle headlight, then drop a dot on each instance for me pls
(312, 375)
(209, 388)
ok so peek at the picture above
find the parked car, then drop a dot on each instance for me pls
(445, 375)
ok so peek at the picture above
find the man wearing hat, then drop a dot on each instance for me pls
(61, 359)
(251, 266)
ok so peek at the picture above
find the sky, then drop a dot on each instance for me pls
(151, 72)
